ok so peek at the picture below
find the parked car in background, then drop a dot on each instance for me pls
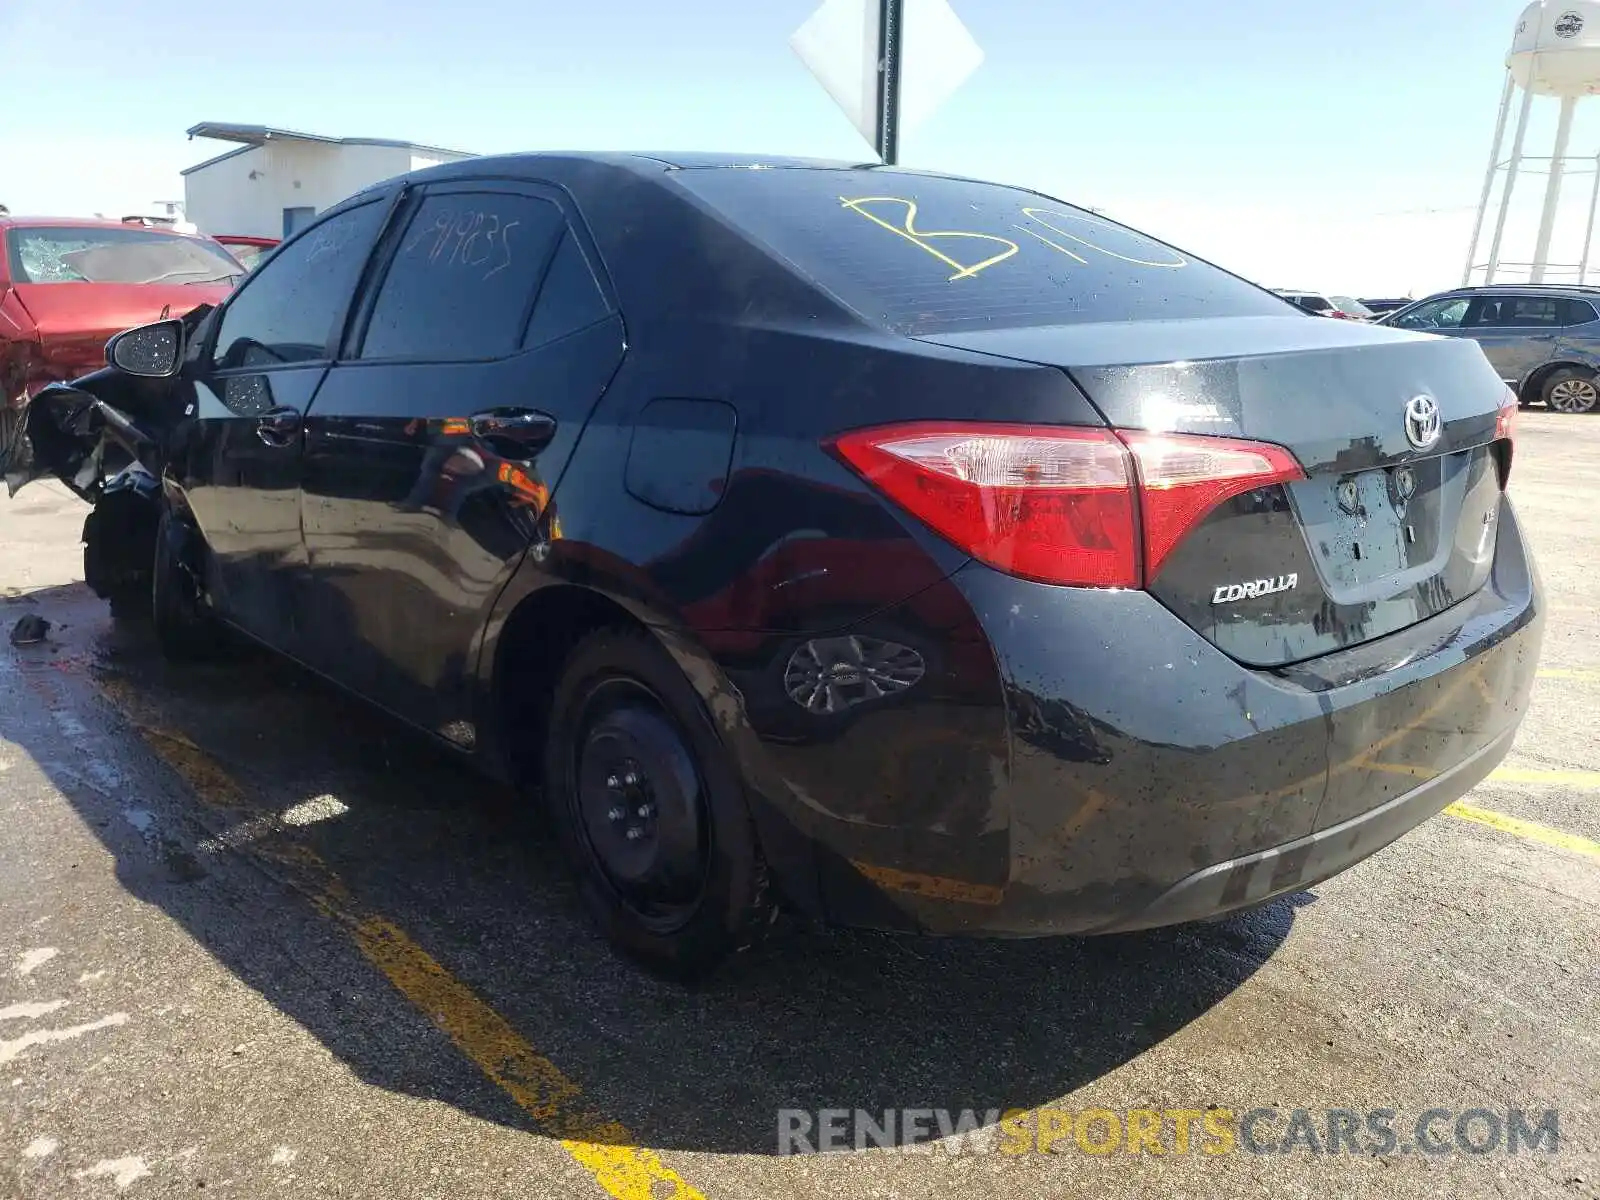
(66, 285)
(1379, 307)
(1543, 339)
(1344, 308)
(248, 250)
(1151, 555)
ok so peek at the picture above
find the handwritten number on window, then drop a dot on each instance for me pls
(906, 227)
(471, 239)
(945, 244)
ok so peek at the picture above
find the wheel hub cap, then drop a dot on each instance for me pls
(1574, 395)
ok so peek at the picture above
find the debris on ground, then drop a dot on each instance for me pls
(29, 630)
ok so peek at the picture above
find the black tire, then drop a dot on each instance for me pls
(118, 545)
(185, 629)
(628, 733)
(1571, 390)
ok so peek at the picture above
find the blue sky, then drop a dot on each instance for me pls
(1331, 145)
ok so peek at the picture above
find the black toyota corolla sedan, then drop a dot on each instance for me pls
(912, 551)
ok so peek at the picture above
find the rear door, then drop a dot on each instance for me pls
(1580, 332)
(433, 446)
(1517, 332)
(240, 469)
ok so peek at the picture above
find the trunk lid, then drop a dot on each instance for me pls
(73, 321)
(1380, 534)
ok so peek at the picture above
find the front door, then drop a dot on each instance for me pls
(240, 468)
(435, 442)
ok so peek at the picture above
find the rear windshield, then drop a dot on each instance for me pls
(928, 255)
(64, 254)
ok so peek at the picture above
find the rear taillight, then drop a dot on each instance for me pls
(1182, 478)
(1064, 505)
(1504, 430)
(1506, 419)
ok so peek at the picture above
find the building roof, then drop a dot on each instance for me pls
(251, 136)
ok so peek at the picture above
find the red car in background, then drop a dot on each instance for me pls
(67, 285)
(248, 250)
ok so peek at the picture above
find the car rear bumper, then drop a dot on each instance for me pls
(1144, 778)
(1253, 878)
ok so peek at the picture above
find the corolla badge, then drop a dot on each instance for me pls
(1424, 424)
(1252, 589)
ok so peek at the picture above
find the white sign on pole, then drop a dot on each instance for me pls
(839, 44)
(940, 55)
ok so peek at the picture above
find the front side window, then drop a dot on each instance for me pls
(285, 311)
(1435, 314)
(463, 279)
(125, 254)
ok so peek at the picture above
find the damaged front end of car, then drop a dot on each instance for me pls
(107, 436)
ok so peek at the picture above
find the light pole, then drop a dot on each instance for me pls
(891, 24)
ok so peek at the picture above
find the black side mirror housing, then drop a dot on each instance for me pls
(148, 351)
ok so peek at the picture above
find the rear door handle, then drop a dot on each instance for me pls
(279, 427)
(516, 432)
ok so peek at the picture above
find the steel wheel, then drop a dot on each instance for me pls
(651, 809)
(639, 803)
(1573, 394)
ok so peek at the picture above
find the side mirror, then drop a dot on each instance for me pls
(150, 351)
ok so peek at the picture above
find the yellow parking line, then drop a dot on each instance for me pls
(1570, 673)
(553, 1101)
(1587, 780)
(1525, 829)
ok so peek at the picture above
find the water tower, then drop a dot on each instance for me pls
(1556, 53)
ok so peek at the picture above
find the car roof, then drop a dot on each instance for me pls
(16, 221)
(544, 163)
(1551, 289)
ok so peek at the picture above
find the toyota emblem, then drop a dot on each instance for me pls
(1423, 422)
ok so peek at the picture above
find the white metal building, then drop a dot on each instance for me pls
(276, 179)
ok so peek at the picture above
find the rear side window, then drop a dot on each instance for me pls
(1577, 312)
(463, 279)
(285, 310)
(927, 255)
(570, 299)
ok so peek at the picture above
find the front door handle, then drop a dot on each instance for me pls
(279, 427)
(517, 432)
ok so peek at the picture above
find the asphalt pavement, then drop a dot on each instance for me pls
(256, 941)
